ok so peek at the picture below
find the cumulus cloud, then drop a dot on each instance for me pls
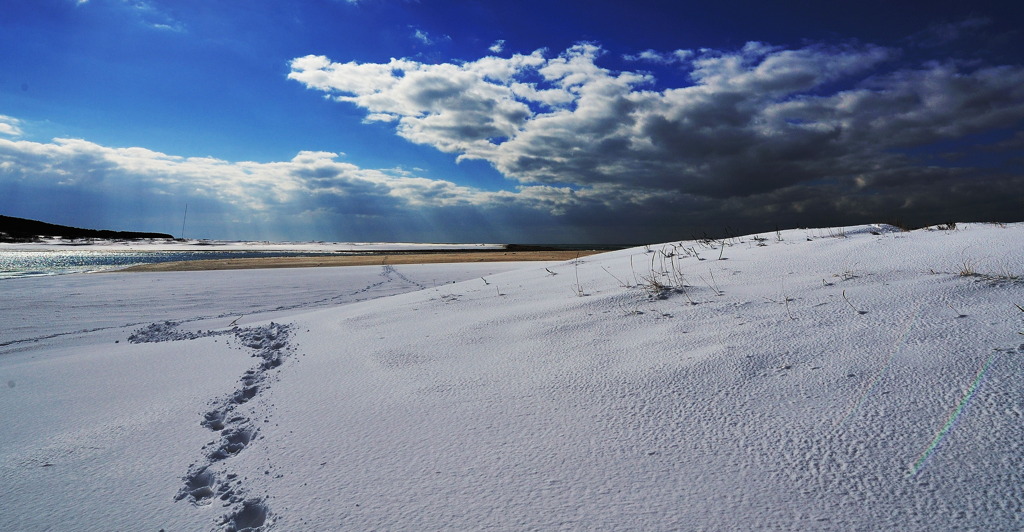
(497, 47)
(247, 185)
(313, 184)
(759, 120)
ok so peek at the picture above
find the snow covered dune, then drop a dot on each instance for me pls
(810, 379)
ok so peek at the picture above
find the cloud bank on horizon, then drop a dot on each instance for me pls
(664, 145)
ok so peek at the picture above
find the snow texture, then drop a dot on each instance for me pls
(827, 379)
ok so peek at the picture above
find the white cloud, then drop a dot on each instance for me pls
(497, 47)
(427, 39)
(314, 192)
(422, 36)
(379, 117)
(661, 58)
(457, 108)
(252, 186)
(754, 119)
(758, 69)
(820, 131)
(153, 16)
(10, 126)
(168, 27)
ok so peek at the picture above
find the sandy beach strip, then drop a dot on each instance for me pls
(358, 260)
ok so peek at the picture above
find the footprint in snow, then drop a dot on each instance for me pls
(253, 514)
(199, 486)
(232, 441)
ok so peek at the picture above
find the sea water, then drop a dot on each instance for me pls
(15, 264)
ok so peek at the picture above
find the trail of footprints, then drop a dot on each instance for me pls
(206, 480)
(389, 271)
(204, 483)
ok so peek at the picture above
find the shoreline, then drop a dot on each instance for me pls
(433, 257)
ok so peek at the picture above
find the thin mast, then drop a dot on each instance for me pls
(183, 222)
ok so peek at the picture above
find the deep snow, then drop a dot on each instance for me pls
(825, 379)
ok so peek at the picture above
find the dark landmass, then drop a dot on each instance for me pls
(23, 230)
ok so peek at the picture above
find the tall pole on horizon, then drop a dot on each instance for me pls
(183, 222)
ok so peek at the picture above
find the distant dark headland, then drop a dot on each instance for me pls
(23, 230)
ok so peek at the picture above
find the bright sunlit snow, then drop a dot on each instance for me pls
(826, 379)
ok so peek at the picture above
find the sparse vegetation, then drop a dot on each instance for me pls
(621, 282)
(713, 285)
(837, 232)
(787, 299)
(577, 288)
(846, 275)
(848, 302)
(654, 287)
(970, 268)
(784, 301)
(665, 273)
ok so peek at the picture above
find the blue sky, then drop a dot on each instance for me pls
(596, 122)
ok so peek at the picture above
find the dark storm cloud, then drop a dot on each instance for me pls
(845, 127)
